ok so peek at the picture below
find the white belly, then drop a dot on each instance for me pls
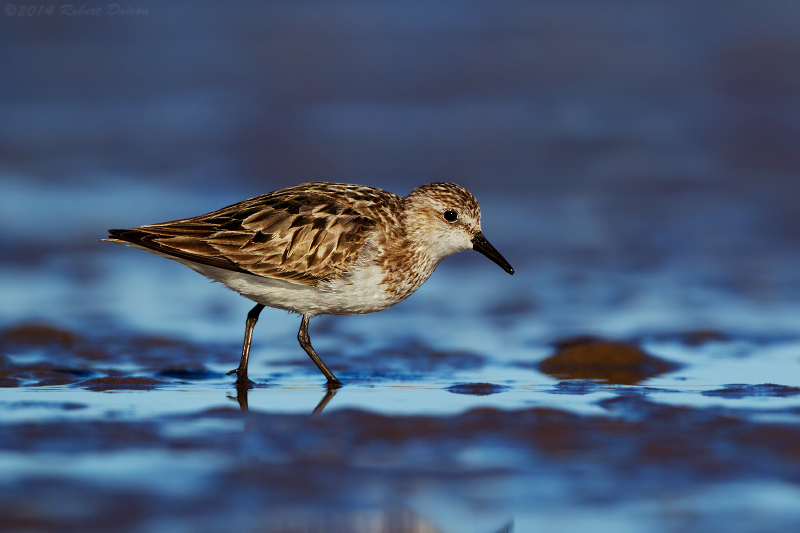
(363, 291)
(363, 294)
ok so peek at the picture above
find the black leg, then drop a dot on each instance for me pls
(241, 372)
(305, 342)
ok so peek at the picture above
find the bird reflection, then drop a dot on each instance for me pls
(243, 388)
(241, 395)
(329, 393)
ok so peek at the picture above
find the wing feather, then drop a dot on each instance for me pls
(306, 234)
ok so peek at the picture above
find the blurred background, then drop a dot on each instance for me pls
(628, 155)
(636, 162)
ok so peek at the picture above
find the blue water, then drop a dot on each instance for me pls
(636, 163)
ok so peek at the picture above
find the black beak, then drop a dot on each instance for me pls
(480, 244)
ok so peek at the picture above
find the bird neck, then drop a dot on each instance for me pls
(407, 259)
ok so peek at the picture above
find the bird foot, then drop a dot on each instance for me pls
(241, 376)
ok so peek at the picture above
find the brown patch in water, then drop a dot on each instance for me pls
(34, 334)
(41, 374)
(6, 382)
(124, 383)
(613, 362)
(62, 357)
(476, 389)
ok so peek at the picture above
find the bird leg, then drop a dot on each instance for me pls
(241, 372)
(305, 342)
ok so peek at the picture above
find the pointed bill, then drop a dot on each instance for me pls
(480, 244)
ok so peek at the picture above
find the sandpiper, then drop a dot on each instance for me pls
(321, 248)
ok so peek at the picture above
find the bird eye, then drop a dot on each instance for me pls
(450, 215)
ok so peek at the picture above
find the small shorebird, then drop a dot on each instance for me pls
(322, 248)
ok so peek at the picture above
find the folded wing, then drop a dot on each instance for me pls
(305, 234)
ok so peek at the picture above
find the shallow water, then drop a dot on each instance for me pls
(585, 392)
(635, 162)
(448, 421)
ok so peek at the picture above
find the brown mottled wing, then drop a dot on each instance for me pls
(306, 234)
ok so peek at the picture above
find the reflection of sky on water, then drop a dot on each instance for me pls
(175, 472)
(295, 389)
(735, 362)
